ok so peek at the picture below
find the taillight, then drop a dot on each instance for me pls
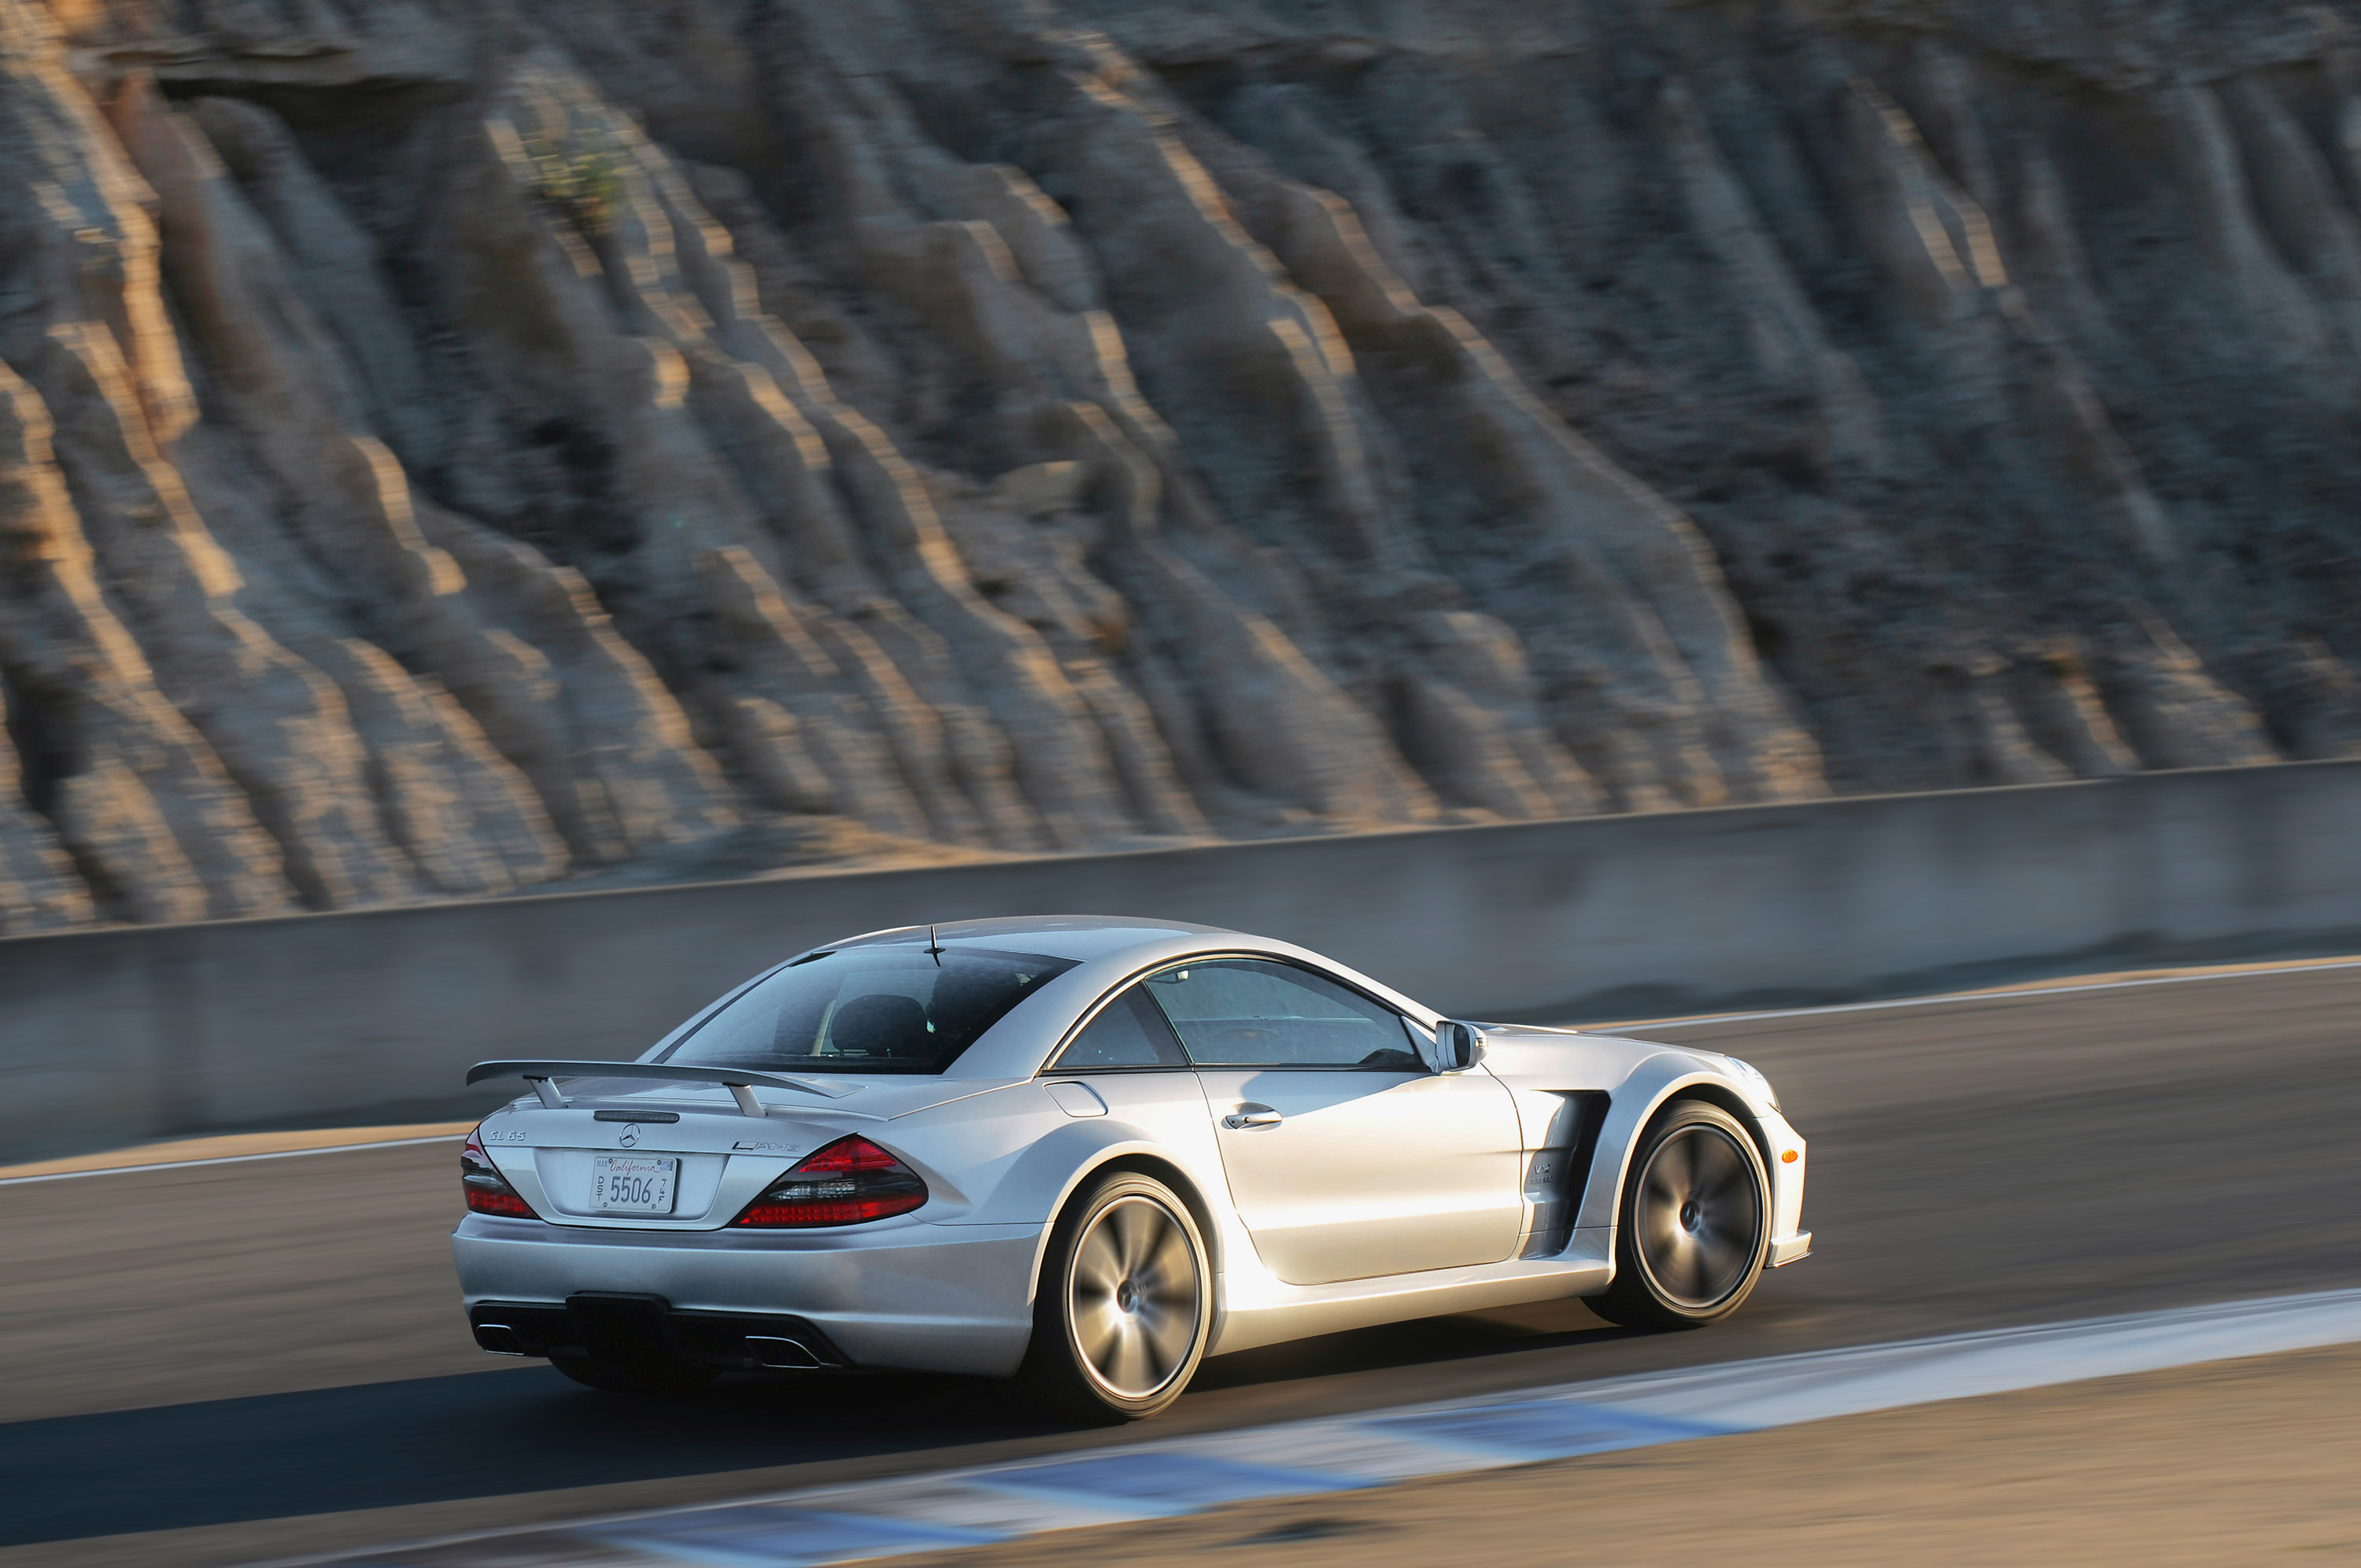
(850, 1180)
(483, 1187)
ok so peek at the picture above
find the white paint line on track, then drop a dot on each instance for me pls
(1812, 1386)
(1180, 1476)
(1953, 998)
(230, 1159)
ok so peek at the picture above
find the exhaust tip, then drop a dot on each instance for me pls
(500, 1339)
(783, 1354)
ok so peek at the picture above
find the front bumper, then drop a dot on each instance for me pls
(916, 1296)
(1790, 1249)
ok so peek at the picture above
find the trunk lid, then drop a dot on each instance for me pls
(724, 1159)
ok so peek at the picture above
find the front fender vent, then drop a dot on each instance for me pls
(1559, 1173)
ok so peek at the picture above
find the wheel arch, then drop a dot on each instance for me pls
(1694, 1085)
(1145, 1161)
(1721, 1098)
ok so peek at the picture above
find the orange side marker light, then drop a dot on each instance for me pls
(1787, 1159)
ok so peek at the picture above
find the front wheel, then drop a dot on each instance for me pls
(1694, 1228)
(1125, 1306)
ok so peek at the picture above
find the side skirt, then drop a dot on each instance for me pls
(1258, 1310)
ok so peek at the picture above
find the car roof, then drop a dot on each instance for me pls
(1105, 950)
(1078, 937)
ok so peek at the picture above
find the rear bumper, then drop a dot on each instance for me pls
(624, 1328)
(921, 1296)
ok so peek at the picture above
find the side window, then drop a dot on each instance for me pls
(1256, 1012)
(1128, 1032)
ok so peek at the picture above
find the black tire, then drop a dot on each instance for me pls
(1693, 1231)
(1124, 1307)
(652, 1374)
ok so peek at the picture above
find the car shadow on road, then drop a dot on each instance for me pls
(529, 1430)
(438, 1439)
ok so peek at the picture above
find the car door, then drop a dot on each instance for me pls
(1347, 1157)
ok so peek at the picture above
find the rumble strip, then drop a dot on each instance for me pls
(1183, 1476)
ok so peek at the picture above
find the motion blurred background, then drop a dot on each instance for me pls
(1374, 474)
(453, 449)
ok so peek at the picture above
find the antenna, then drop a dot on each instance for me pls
(934, 946)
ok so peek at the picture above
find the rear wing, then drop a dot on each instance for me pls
(741, 1082)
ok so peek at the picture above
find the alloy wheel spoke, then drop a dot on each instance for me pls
(1126, 1368)
(1722, 1258)
(1134, 1225)
(1717, 1166)
(1688, 1269)
(1167, 1263)
(1096, 1332)
(1157, 1351)
(1673, 1171)
(1097, 1266)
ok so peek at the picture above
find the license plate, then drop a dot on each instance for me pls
(632, 1184)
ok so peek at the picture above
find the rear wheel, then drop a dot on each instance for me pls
(1694, 1230)
(1125, 1306)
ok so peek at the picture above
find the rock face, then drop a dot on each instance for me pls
(448, 447)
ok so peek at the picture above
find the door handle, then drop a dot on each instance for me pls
(1252, 1116)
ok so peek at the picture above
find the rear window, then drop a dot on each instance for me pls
(868, 1010)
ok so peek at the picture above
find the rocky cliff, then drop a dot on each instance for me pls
(447, 446)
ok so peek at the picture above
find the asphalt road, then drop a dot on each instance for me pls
(268, 1357)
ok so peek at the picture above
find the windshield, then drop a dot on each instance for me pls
(868, 1010)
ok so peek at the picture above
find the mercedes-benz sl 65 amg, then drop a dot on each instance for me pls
(1082, 1154)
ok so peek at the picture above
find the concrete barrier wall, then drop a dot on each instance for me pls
(113, 1037)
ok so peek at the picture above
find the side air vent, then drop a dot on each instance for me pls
(1557, 1174)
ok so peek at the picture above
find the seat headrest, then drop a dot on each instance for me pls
(882, 1026)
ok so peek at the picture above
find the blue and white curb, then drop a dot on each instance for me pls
(994, 1503)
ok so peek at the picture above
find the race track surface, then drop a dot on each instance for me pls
(241, 1353)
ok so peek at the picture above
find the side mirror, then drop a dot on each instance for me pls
(1461, 1045)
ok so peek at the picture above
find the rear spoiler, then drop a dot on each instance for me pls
(741, 1082)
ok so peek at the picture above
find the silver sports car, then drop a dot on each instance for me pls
(1084, 1154)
